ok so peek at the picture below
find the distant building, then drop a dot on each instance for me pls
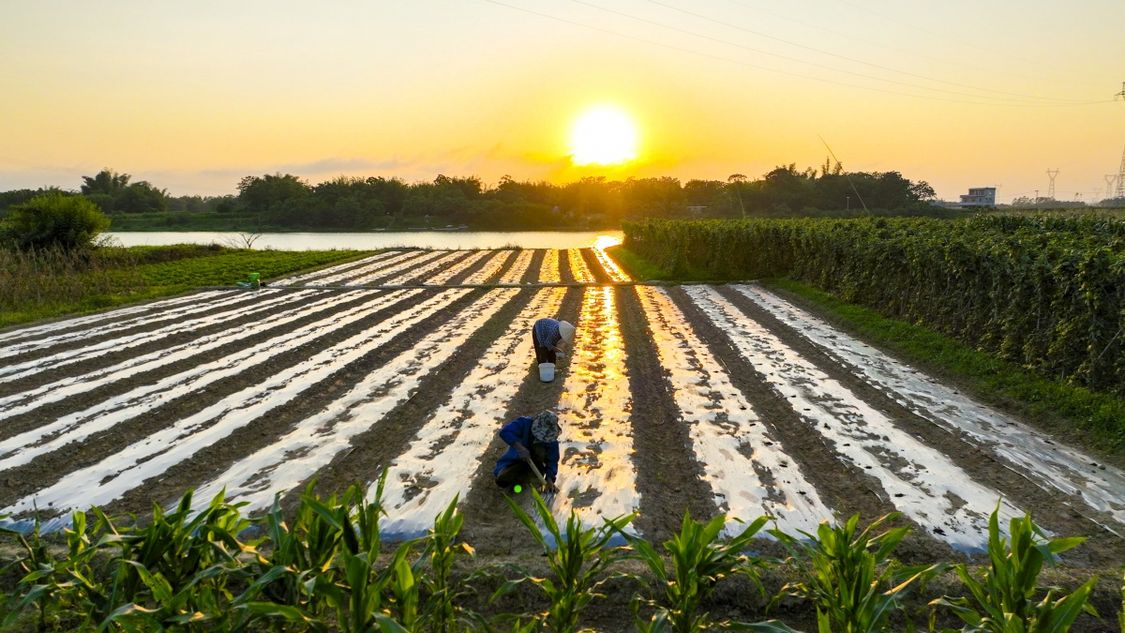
(979, 197)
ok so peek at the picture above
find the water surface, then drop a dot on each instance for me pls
(375, 240)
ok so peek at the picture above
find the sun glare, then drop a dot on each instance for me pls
(603, 135)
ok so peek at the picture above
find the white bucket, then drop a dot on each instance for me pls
(546, 372)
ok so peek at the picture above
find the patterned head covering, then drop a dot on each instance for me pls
(545, 427)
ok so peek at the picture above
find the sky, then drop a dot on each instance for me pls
(193, 96)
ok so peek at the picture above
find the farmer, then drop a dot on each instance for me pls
(535, 439)
(549, 336)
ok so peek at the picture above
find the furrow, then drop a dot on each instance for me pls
(201, 303)
(444, 454)
(549, 271)
(316, 440)
(397, 268)
(531, 277)
(23, 448)
(745, 466)
(266, 300)
(597, 478)
(417, 274)
(444, 276)
(492, 268)
(1052, 466)
(611, 268)
(325, 275)
(25, 401)
(594, 266)
(94, 320)
(922, 482)
(108, 479)
(578, 268)
(519, 268)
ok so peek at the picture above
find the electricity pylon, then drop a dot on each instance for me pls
(1051, 173)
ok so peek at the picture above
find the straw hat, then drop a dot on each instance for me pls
(566, 331)
(545, 427)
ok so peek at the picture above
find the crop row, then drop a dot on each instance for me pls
(327, 566)
(311, 338)
(1047, 293)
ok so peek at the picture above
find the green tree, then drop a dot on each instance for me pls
(53, 220)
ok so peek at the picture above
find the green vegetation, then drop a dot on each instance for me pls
(578, 558)
(1044, 292)
(327, 568)
(1061, 408)
(52, 221)
(700, 560)
(848, 575)
(284, 202)
(1006, 596)
(36, 284)
(1094, 419)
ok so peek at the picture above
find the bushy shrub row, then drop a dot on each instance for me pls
(1045, 292)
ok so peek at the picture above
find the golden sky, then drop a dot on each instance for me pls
(192, 96)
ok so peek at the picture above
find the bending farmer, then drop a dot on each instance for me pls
(549, 336)
(529, 440)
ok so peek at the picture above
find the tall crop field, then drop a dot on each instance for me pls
(1045, 292)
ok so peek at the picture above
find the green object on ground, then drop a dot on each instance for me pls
(518, 489)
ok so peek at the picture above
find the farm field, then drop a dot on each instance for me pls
(714, 399)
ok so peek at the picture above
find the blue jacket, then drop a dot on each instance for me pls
(519, 430)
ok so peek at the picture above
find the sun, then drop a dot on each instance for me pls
(603, 135)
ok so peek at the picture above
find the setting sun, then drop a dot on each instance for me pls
(603, 135)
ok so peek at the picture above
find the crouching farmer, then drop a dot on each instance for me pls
(549, 338)
(529, 439)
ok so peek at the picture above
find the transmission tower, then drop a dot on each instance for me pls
(1051, 173)
(1120, 193)
(1109, 180)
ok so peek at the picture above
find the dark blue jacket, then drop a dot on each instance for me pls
(519, 430)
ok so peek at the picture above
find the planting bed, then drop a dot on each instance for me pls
(713, 399)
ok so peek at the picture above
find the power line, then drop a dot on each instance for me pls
(775, 70)
(852, 59)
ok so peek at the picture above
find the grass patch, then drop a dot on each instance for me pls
(640, 269)
(52, 284)
(1091, 419)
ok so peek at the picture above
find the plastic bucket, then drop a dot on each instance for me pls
(546, 372)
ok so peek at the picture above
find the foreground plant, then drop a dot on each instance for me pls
(579, 559)
(441, 609)
(849, 575)
(1005, 598)
(699, 561)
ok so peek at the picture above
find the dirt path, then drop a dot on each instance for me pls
(668, 477)
(489, 523)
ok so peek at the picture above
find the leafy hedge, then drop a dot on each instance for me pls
(1045, 292)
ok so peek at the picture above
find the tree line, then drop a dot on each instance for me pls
(286, 201)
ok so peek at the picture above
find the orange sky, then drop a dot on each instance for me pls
(193, 96)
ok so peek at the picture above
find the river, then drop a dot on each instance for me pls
(377, 240)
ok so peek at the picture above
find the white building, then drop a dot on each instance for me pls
(979, 197)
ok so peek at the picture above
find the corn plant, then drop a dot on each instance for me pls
(37, 582)
(286, 574)
(177, 569)
(1006, 598)
(364, 598)
(700, 560)
(1121, 613)
(848, 574)
(579, 560)
(441, 613)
